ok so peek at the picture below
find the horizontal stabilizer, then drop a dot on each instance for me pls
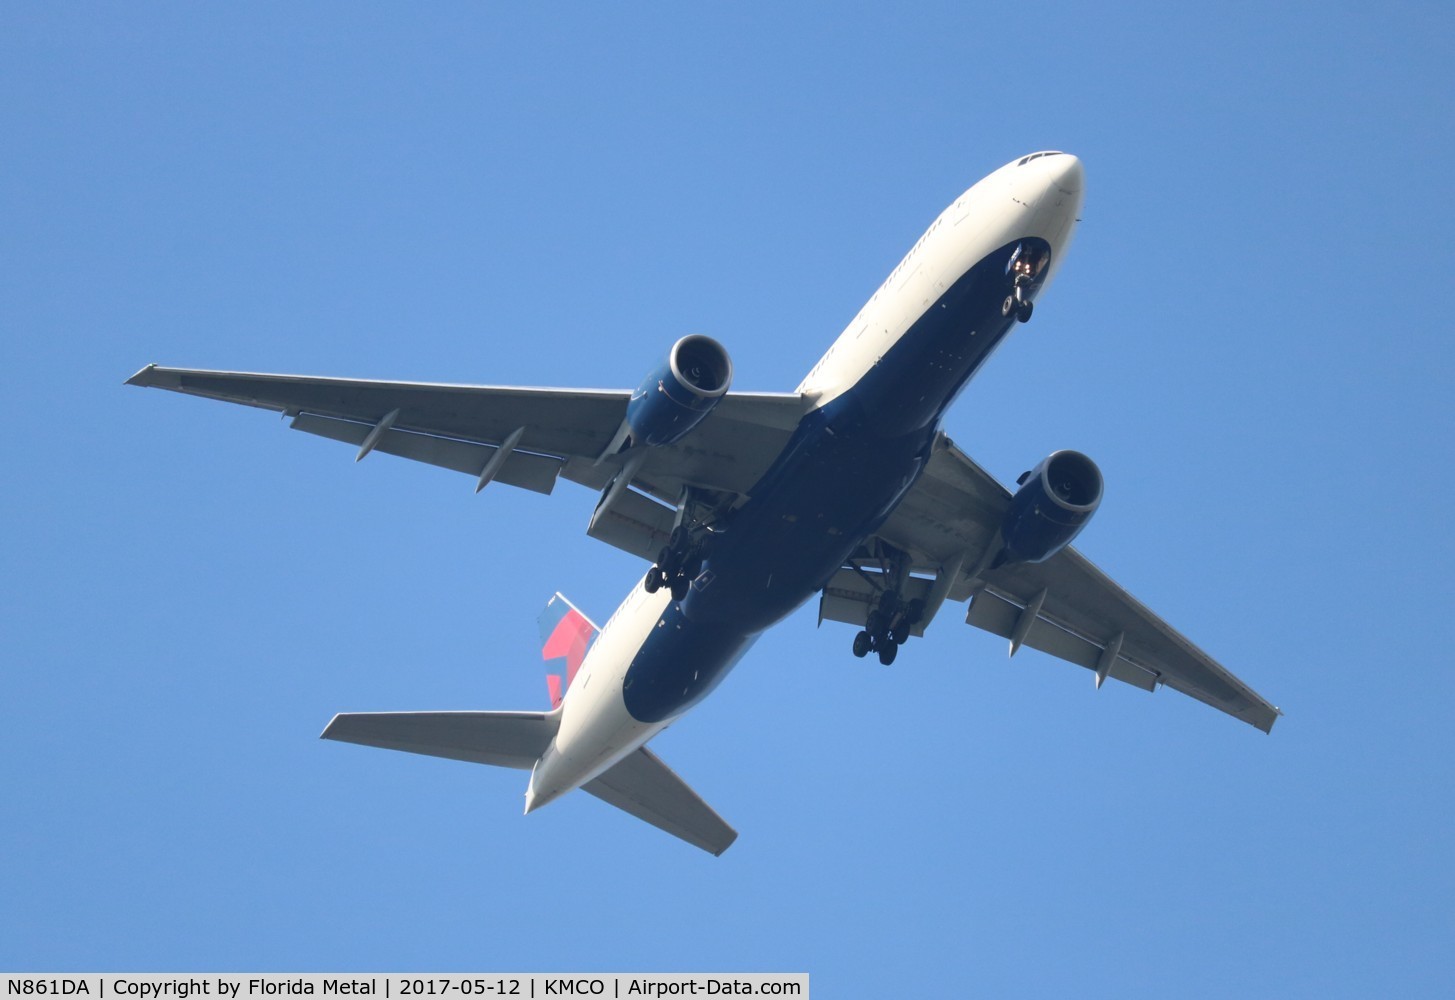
(650, 790)
(504, 739)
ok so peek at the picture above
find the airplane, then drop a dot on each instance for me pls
(746, 505)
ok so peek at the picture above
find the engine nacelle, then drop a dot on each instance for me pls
(675, 397)
(1055, 501)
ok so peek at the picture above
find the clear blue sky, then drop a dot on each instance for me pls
(1251, 336)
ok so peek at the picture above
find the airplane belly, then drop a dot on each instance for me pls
(848, 464)
(829, 490)
(680, 663)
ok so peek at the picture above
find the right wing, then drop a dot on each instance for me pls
(544, 433)
(1065, 606)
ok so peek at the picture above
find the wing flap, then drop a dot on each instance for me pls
(536, 473)
(502, 739)
(642, 785)
(557, 421)
(635, 524)
(993, 613)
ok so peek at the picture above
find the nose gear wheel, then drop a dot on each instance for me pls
(1016, 302)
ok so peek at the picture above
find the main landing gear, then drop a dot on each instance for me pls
(677, 565)
(680, 561)
(888, 627)
(890, 617)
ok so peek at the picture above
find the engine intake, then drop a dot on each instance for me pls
(1055, 501)
(677, 394)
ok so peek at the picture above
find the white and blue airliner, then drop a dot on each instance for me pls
(747, 505)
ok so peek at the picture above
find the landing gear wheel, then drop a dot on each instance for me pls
(1008, 306)
(653, 582)
(887, 653)
(862, 644)
(899, 636)
(680, 586)
(1023, 311)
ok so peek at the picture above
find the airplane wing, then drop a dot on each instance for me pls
(650, 790)
(1064, 606)
(542, 433)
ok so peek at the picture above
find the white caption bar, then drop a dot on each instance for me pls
(394, 986)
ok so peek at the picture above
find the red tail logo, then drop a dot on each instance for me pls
(567, 635)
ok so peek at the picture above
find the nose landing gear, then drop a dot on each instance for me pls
(1016, 302)
(1024, 265)
(1022, 307)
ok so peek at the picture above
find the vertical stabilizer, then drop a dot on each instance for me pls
(566, 635)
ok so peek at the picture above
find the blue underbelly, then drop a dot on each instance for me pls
(830, 492)
(781, 548)
(845, 468)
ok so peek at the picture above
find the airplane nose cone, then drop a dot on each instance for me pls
(1066, 173)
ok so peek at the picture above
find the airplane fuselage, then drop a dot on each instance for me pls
(878, 396)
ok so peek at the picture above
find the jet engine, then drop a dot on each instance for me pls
(1053, 504)
(682, 390)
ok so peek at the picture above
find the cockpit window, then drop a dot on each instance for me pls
(1036, 156)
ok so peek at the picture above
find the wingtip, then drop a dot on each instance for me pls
(154, 376)
(1266, 720)
(730, 842)
(142, 377)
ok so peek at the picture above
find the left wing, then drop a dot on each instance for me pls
(1064, 606)
(524, 437)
